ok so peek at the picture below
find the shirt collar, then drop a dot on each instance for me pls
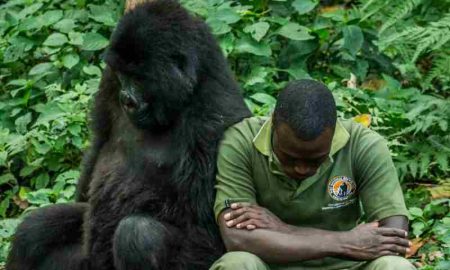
(262, 140)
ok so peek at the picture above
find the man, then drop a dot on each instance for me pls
(292, 189)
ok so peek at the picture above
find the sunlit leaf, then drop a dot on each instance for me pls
(363, 119)
(295, 31)
(304, 6)
(257, 30)
(94, 42)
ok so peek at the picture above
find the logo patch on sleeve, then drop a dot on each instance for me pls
(340, 188)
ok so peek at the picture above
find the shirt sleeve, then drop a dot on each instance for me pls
(379, 188)
(233, 179)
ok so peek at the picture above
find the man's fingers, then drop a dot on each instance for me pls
(396, 248)
(251, 224)
(235, 213)
(387, 253)
(397, 241)
(392, 232)
(239, 205)
(243, 217)
(238, 212)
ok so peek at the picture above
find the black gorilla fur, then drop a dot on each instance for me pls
(146, 192)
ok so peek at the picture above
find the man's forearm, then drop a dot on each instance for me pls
(255, 229)
(295, 244)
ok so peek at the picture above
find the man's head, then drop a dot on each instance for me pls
(304, 121)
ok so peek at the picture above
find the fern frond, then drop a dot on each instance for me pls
(440, 69)
(399, 10)
(390, 11)
(422, 39)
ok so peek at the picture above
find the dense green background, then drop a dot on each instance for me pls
(389, 59)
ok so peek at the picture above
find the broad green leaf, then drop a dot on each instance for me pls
(7, 178)
(41, 68)
(65, 25)
(41, 148)
(353, 39)
(56, 39)
(48, 112)
(227, 43)
(258, 75)
(27, 43)
(257, 30)
(336, 15)
(218, 27)
(418, 228)
(8, 227)
(4, 205)
(249, 45)
(3, 158)
(69, 192)
(304, 6)
(298, 73)
(251, 105)
(23, 191)
(295, 31)
(94, 42)
(76, 38)
(92, 70)
(70, 60)
(70, 176)
(39, 197)
(29, 10)
(227, 15)
(415, 212)
(42, 181)
(74, 129)
(27, 170)
(13, 53)
(264, 98)
(22, 122)
(51, 17)
(102, 14)
(31, 23)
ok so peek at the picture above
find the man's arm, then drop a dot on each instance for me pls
(277, 242)
(399, 222)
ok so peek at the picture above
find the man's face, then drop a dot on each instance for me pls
(300, 159)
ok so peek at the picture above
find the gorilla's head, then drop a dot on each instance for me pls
(154, 56)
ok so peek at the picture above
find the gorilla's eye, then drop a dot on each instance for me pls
(180, 61)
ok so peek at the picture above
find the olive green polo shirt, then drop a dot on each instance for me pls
(358, 178)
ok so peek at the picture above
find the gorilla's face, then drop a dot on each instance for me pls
(154, 99)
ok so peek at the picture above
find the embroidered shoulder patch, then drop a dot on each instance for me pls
(341, 188)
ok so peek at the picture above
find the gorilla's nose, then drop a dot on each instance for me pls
(128, 101)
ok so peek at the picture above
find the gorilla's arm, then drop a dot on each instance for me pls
(102, 116)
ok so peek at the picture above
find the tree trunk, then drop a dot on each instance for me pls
(130, 4)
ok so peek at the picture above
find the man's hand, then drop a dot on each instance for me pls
(369, 241)
(250, 216)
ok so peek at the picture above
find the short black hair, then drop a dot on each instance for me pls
(306, 106)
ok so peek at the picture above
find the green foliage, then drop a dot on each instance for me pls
(50, 70)
(386, 58)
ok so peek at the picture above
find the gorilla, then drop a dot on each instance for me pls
(145, 196)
